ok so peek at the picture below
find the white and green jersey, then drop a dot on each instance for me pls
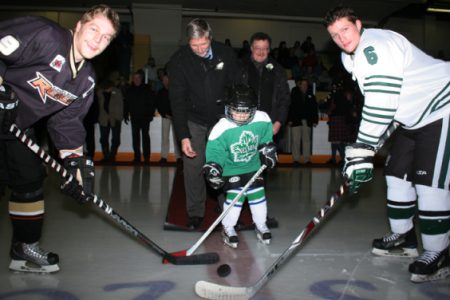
(399, 82)
(235, 148)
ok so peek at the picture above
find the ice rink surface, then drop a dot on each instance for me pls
(99, 260)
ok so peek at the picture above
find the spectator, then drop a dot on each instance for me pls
(244, 52)
(283, 55)
(140, 104)
(110, 101)
(340, 121)
(308, 45)
(303, 115)
(198, 74)
(125, 42)
(268, 79)
(150, 73)
(163, 105)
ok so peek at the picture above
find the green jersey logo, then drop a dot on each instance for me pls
(246, 148)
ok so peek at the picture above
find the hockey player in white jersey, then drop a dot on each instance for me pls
(404, 85)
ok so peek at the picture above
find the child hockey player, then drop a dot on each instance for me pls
(236, 147)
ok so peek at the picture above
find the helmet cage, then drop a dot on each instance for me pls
(236, 113)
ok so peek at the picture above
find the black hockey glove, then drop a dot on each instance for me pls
(268, 154)
(213, 175)
(81, 186)
(358, 167)
(8, 107)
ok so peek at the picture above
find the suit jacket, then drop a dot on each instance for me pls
(303, 108)
(197, 86)
(271, 87)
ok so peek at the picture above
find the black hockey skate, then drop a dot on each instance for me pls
(430, 266)
(230, 237)
(263, 233)
(396, 244)
(31, 258)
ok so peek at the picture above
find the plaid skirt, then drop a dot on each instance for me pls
(339, 130)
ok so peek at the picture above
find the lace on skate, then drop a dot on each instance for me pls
(428, 257)
(391, 237)
(32, 258)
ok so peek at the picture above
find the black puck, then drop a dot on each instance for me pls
(224, 270)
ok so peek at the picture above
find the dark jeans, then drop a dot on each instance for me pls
(140, 128)
(109, 153)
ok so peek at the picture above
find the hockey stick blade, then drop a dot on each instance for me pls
(197, 259)
(206, 258)
(213, 291)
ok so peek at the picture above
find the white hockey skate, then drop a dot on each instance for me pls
(31, 258)
(230, 237)
(396, 244)
(263, 233)
(430, 266)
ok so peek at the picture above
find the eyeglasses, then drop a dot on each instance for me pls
(261, 49)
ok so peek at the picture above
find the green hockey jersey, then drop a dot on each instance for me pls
(235, 148)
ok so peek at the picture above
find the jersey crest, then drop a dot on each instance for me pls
(246, 148)
(46, 89)
(58, 62)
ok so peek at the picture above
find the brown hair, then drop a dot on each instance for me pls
(103, 10)
(339, 12)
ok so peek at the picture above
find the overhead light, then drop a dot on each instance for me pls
(439, 10)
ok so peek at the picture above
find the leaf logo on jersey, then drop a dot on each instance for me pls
(46, 90)
(246, 148)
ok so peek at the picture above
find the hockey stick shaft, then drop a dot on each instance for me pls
(225, 212)
(206, 258)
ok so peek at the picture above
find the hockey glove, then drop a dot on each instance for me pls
(81, 186)
(358, 167)
(213, 175)
(8, 107)
(268, 154)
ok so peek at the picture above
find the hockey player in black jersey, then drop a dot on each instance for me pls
(44, 72)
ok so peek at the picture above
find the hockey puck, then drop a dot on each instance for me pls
(224, 270)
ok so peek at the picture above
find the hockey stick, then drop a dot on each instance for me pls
(215, 291)
(206, 258)
(191, 250)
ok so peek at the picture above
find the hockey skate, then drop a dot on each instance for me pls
(430, 266)
(230, 237)
(263, 233)
(396, 244)
(31, 258)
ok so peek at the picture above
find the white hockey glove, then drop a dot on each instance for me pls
(8, 107)
(268, 154)
(81, 186)
(213, 175)
(358, 167)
